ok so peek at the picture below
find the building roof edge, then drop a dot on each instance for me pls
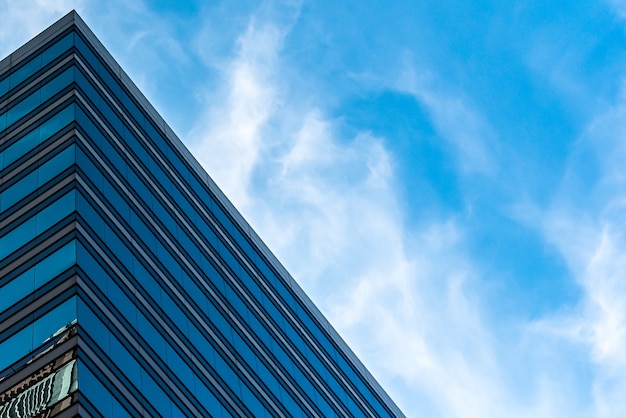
(74, 19)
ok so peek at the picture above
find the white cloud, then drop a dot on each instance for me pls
(472, 140)
(586, 223)
(229, 138)
(406, 301)
(23, 19)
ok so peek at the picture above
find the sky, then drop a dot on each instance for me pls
(442, 177)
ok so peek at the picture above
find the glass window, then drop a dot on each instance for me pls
(121, 301)
(18, 237)
(110, 151)
(180, 368)
(87, 87)
(37, 178)
(55, 212)
(57, 84)
(34, 99)
(91, 217)
(209, 401)
(58, 48)
(87, 165)
(94, 390)
(37, 275)
(4, 88)
(86, 52)
(163, 216)
(19, 148)
(37, 136)
(116, 201)
(291, 405)
(25, 71)
(55, 165)
(133, 109)
(23, 107)
(227, 374)
(177, 413)
(118, 248)
(151, 335)
(200, 343)
(131, 142)
(91, 132)
(139, 188)
(16, 192)
(194, 291)
(146, 280)
(34, 334)
(119, 411)
(252, 403)
(168, 261)
(55, 123)
(110, 116)
(93, 326)
(125, 361)
(155, 395)
(173, 312)
(53, 321)
(16, 346)
(17, 288)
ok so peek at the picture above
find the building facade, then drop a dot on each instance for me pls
(129, 284)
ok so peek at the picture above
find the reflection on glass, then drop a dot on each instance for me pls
(33, 335)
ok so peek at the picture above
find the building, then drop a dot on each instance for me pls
(129, 284)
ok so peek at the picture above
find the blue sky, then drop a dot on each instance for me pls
(444, 178)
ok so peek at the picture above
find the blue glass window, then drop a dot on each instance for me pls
(155, 395)
(37, 276)
(37, 224)
(37, 136)
(4, 88)
(34, 99)
(33, 335)
(94, 390)
(37, 178)
(25, 71)
(92, 325)
(208, 399)
(151, 335)
(38, 62)
(57, 48)
(126, 363)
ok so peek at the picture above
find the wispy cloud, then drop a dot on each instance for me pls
(328, 205)
(411, 301)
(457, 121)
(21, 20)
(229, 138)
(589, 232)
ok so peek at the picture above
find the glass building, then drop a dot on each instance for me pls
(129, 284)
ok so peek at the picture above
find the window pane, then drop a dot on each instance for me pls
(23, 73)
(55, 212)
(55, 123)
(33, 335)
(16, 289)
(94, 390)
(37, 275)
(18, 237)
(54, 264)
(23, 107)
(54, 320)
(16, 347)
